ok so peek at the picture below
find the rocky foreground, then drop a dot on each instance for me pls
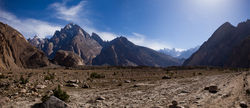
(118, 87)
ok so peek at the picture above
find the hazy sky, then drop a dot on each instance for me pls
(156, 24)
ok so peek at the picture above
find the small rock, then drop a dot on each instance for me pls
(183, 91)
(127, 81)
(243, 104)
(73, 81)
(40, 86)
(136, 85)
(206, 88)
(34, 93)
(85, 85)
(72, 85)
(23, 91)
(166, 77)
(174, 105)
(4, 100)
(213, 89)
(100, 98)
(248, 91)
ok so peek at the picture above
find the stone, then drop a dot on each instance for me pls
(85, 85)
(40, 86)
(248, 91)
(174, 105)
(52, 102)
(100, 98)
(4, 100)
(206, 88)
(72, 85)
(213, 89)
(183, 91)
(23, 91)
(243, 104)
(73, 81)
(166, 77)
(127, 81)
(136, 85)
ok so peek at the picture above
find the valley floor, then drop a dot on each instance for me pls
(130, 88)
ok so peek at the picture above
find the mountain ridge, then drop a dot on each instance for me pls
(217, 50)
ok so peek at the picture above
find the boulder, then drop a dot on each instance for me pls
(68, 59)
(100, 98)
(248, 91)
(72, 85)
(166, 77)
(23, 91)
(73, 81)
(40, 86)
(4, 100)
(174, 105)
(127, 81)
(52, 102)
(213, 89)
(85, 85)
(243, 104)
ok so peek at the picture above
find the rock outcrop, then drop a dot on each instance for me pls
(16, 52)
(52, 102)
(68, 59)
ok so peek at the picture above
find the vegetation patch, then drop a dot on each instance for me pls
(59, 93)
(49, 76)
(96, 75)
(23, 80)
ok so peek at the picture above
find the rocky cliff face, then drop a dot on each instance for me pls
(98, 39)
(73, 38)
(68, 58)
(220, 46)
(16, 52)
(121, 52)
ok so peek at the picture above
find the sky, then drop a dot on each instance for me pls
(156, 24)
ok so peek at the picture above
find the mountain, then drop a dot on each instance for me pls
(187, 53)
(122, 52)
(72, 38)
(16, 52)
(172, 52)
(224, 46)
(37, 42)
(98, 39)
(179, 54)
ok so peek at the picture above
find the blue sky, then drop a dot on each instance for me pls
(157, 24)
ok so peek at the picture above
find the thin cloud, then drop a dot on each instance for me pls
(76, 14)
(73, 13)
(28, 27)
(140, 39)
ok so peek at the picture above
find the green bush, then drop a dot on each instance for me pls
(96, 75)
(23, 80)
(60, 94)
(49, 76)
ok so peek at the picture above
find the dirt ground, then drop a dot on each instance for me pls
(128, 87)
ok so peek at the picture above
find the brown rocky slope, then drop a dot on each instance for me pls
(222, 45)
(16, 52)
